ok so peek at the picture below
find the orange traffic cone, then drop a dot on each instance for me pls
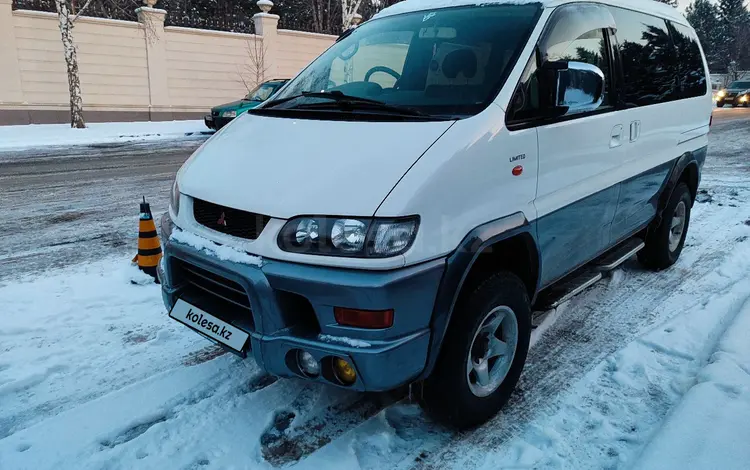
(149, 247)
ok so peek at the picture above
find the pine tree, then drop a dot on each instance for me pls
(703, 15)
(735, 32)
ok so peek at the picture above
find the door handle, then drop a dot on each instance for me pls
(615, 139)
(635, 130)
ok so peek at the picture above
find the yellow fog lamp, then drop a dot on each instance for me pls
(344, 371)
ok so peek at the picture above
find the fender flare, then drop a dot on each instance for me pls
(458, 266)
(695, 159)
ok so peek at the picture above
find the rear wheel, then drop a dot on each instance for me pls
(665, 241)
(483, 353)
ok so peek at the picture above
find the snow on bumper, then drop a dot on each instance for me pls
(287, 306)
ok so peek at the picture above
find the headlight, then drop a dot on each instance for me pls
(743, 99)
(174, 199)
(348, 235)
(230, 114)
(353, 237)
(721, 94)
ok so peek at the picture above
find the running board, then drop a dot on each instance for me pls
(568, 289)
(619, 255)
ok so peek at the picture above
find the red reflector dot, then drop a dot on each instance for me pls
(363, 318)
(517, 170)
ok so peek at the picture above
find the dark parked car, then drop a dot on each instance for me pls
(221, 115)
(736, 93)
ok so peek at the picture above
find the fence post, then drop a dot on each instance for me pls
(152, 20)
(11, 92)
(266, 26)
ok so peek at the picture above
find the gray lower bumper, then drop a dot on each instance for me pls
(291, 306)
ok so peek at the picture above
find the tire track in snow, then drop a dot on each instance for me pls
(596, 324)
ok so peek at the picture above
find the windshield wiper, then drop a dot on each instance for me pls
(346, 101)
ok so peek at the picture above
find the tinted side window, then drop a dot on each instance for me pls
(691, 76)
(648, 58)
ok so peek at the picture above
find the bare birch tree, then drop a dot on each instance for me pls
(67, 15)
(65, 22)
(348, 10)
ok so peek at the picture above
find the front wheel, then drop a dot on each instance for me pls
(719, 104)
(665, 241)
(483, 354)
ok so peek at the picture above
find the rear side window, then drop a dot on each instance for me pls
(691, 76)
(647, 56)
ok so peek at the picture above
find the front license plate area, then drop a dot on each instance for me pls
(207, 324)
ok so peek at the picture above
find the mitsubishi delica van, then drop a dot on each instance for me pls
(398, 211)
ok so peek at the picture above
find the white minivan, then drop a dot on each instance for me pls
(401, 207)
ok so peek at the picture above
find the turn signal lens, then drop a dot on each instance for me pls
(344, 371)
(363, 318)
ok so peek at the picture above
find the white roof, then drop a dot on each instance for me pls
(652, 7)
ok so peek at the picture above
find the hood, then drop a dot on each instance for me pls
(284, 167)
(243, 104)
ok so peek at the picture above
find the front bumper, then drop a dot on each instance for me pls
(291, 307)
(738, 100)
(216, 122)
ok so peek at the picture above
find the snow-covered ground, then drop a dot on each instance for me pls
(48, 135)
(644, 370)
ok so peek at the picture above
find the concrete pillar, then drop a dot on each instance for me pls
(11, 93)
(266, 26)
(152, 20)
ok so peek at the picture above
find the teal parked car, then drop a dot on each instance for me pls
(221, 115)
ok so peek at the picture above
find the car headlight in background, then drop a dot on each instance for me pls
(353, 237)
(721, 93)
(229, 114)
(174, 198)
(743, 99)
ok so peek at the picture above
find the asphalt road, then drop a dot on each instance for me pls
(70, 204)
(64, 205)
(730, 114)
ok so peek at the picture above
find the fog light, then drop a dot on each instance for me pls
(344, 371)
(307, 363)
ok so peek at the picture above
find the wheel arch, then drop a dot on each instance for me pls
(506, 243)
(686, 169)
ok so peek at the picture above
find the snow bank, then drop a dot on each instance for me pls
(709, 428)
(48, 135)
(223, 252)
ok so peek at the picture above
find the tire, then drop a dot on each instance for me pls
(448, 393)
(662, 247)
(719, 104)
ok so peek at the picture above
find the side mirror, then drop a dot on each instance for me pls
(578, 87)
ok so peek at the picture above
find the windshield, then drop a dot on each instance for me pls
(450, 61)
(262, 92)
(734, 85)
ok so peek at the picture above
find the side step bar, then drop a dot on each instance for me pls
(587, 276)
(566, 290)
(619, 255)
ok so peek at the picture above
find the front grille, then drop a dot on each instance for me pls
(230, 221)
(217, 295)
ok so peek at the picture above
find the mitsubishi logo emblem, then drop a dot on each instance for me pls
(222, 220)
